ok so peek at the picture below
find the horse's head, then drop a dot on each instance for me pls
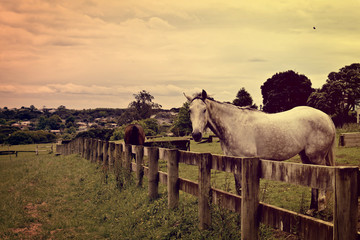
(198, 115)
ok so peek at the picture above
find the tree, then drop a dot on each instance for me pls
(54, 122)
(143, 105)
(182, 125)
(340, 94)
(42, 123)
(19, 137)
(243, 99)
(284, 91)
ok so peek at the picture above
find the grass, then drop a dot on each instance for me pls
(59, 197)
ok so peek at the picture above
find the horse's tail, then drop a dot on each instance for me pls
(134, 135)
(330, 156)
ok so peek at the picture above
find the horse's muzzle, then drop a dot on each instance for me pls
(197, 136)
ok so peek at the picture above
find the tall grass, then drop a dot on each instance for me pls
(62, 197)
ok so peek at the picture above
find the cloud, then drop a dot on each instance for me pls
(86, 48)
(25, 89)
(71, 88)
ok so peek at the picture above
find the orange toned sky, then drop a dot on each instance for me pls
(94, 53)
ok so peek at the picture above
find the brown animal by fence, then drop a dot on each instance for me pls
(134, 134)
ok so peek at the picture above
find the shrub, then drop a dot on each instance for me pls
(99, 133)
(19, 137)
(28, 137)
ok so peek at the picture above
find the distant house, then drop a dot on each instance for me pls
(112, 125)
(25, 123)
(82, 128)
(56, 132)
(16, 125)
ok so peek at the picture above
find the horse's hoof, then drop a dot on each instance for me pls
(322, 204)
(311, 212)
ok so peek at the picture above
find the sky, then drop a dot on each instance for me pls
(95, 53)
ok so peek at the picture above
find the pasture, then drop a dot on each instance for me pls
(67, 197)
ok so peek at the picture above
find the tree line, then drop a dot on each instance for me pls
(338, 97)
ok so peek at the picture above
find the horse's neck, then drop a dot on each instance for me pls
(221, 118)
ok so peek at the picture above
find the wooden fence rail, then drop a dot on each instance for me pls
(343, 181)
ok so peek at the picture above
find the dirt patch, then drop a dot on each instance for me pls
(35, 227)
(32, 209)
(28, 232)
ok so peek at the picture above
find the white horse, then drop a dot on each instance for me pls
(246, 132)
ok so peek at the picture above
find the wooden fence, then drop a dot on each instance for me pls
(349, 139)
(341, 180)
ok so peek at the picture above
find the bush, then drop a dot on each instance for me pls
(28, 137)
(19, 137)
(119, 133)
(99, 133)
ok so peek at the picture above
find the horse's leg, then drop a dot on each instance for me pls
(237, 178)
(314, 192)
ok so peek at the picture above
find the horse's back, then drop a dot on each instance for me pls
(134, 134)
(283, 135)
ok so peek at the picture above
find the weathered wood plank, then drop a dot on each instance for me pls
(133, 166)
(106, 153)
(226, 200)
(153, 174)
(314, 176)
(288, 221)
(226, 164)
(189, 158)
(172, 157)
(127, 160)
(250, 213)
(204, 191)
(139, 150)
(163, 177)
(189, 187)
(346, 203)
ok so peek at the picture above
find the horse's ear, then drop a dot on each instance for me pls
(187, 97)
(204, 94)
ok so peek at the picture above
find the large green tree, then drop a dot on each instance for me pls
(182, 124)
(143, 105)
(284, 91)
(243, 99)
(340, 94)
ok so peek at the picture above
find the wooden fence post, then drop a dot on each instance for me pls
(172, 157)
(105, 153)
(77, 149)
(100, 151)
(118, 153)
(139, 150)
(250, 214)
(127, 160)
(94, 150)
(90, 149)
(153, 176)
(111, 153)
(81, 147)
(204, 190)
(346, 203)
(67, 151)
(72, 144)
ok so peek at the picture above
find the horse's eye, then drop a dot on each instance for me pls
(204, 110)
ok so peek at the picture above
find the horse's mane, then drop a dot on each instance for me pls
(199, 96)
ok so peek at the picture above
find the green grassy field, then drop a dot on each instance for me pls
(60, 197)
